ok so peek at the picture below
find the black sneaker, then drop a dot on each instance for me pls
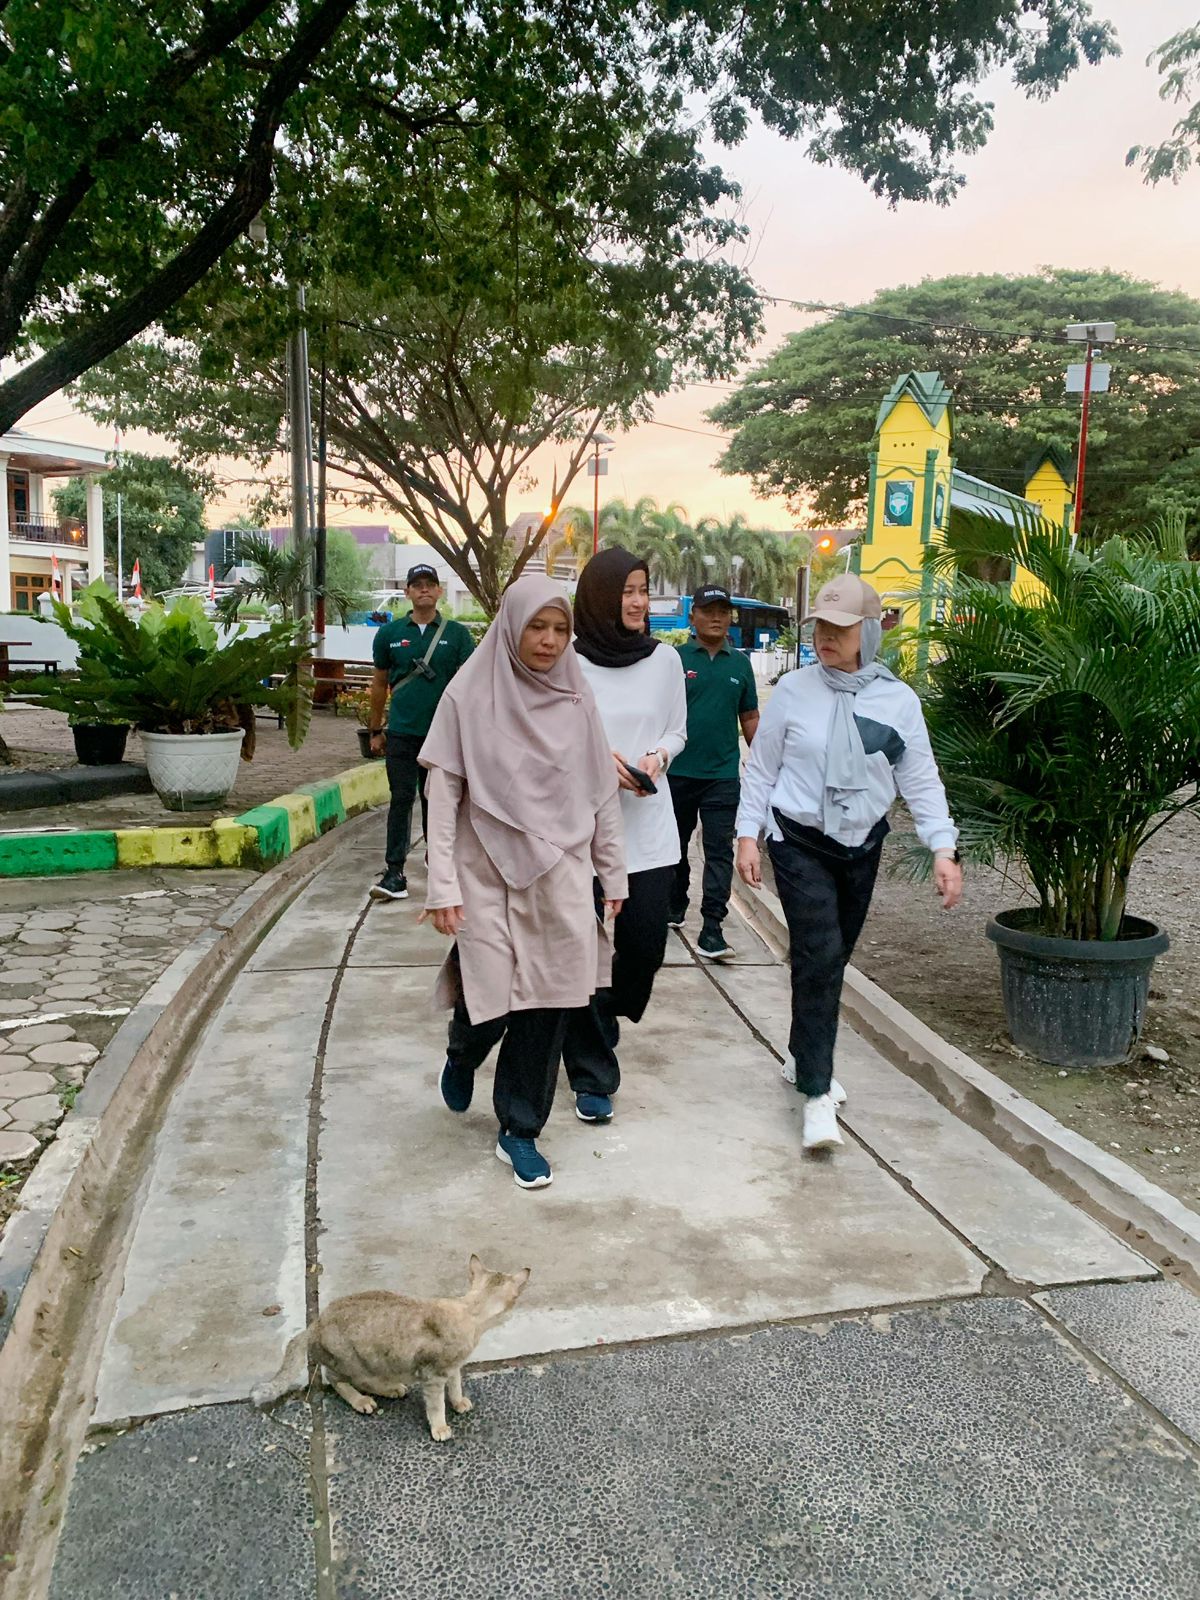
(675, 918)
(711, 943)
(392, 886)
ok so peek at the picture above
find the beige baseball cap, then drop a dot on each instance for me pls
(845, 601)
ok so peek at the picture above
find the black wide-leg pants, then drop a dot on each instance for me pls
(526, 1069)
(406, 779)
(639, 944)
(825, 889)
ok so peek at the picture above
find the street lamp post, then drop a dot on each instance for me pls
(1092, 334)
(597, 467)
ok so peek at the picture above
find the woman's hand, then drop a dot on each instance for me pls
(652, 766)
(613, 909)
(948, 879)
(749, 862)
(446, 919)
(624, 781)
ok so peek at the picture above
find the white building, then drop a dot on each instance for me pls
(30, 532)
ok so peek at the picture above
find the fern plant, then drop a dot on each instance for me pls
(1066, 724)
(169, 672)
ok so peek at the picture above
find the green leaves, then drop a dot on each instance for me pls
(1067, 729)
(803, 421)
(169, 672)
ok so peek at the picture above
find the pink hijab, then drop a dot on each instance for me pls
(530, 745)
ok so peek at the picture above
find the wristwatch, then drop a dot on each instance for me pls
(660, 755)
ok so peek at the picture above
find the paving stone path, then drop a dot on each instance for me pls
(75, 957)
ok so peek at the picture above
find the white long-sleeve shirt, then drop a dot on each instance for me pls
(786, 769)
(644, 708)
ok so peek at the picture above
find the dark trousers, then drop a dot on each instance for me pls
(527, 1067)
(826, 891)
(405, 780)
(639, 944)
(714, 801)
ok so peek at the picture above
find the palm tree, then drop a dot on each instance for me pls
(282, 577)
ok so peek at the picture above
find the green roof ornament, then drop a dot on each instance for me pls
(1058, 458)
(926, 388)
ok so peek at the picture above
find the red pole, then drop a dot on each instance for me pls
(596, 502)
(1083, 427)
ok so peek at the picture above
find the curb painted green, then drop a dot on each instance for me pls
(266, 836)
(41, 855)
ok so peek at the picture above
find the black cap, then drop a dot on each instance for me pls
(710, 594)
(421, 570)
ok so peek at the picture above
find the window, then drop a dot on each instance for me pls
(18, 497)
(26, 586)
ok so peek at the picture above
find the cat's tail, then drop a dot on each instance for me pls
(292, 1374)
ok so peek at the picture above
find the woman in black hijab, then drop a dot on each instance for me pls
(639, 689)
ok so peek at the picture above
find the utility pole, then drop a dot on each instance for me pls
(598, 467)
(1081, 376)
(299, 428)
(322, 539)
(120, 531)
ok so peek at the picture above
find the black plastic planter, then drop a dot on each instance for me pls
(1075, 1002)
(100, 744)
(364, 744)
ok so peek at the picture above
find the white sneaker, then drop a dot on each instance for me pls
(820, 1123)
(788, 1073)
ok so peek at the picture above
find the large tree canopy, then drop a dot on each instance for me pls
(803, 420)
(458, 323)
(138, 138)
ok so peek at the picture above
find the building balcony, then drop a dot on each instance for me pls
(47, 530)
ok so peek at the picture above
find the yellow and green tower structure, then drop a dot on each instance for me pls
(913, 484)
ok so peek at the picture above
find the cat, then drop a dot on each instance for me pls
(376, 1343)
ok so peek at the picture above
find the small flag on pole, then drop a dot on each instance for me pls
(135, 577)
(212, 583)
(55, 578)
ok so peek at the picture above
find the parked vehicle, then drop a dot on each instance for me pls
(756, 623)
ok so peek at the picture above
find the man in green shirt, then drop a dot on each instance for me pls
(722, 699)
(415, 658)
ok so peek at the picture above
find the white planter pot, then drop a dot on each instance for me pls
(191, 771)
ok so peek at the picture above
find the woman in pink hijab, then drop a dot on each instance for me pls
(523, 814)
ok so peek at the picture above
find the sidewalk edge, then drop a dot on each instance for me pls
(1146, 1217)
(60, 1246)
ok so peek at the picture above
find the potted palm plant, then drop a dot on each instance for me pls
(191, 696)
(1065, 717)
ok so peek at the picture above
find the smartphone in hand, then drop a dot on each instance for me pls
(642, 779)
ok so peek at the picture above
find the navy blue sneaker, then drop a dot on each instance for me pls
(593, 1108)
(457, 1084)
(531, 1170)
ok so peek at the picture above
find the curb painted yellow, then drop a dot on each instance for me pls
(254, 840)
(302, 818)
(363, 786)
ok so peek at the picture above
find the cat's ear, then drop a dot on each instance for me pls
(522, 1277)
(476, 1268)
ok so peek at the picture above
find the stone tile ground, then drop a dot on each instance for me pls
(76, 955)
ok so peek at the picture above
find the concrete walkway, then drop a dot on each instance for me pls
(986, 1392)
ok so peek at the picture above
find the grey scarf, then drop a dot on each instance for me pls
(847, 808)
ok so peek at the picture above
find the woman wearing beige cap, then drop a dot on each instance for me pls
(836, 743)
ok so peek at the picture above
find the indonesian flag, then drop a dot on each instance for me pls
(55, 579)
(135, 577)
(212, 583)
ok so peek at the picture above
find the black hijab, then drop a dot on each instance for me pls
(600, 635)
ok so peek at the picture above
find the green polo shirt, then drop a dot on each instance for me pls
(414, 697)
(719, 689)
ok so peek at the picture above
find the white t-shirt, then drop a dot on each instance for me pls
(644, 707)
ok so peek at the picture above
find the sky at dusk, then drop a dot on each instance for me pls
(1050, 189)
